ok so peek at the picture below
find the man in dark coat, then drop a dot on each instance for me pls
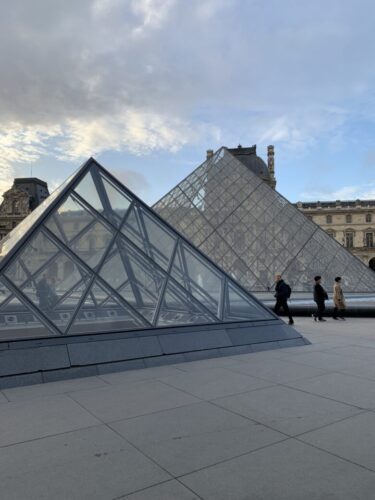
(320, 296)
(282, 294)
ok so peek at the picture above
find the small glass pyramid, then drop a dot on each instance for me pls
(252, 232)
(95, 259)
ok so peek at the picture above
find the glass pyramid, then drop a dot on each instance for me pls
(252, 232)
(95, 259)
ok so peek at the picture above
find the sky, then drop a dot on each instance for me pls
(147, 86)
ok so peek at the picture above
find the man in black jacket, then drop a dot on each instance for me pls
(320, 296)
(282, 294)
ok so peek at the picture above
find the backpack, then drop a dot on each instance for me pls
(289, 291)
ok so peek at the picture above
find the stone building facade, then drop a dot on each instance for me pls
(351, 223)
(21, 199)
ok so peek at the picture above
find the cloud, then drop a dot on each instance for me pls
(81, 78)
(135, 181)
(359, 192)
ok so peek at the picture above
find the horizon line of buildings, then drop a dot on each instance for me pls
(350, 222)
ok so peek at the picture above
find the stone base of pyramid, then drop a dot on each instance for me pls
(25, 362)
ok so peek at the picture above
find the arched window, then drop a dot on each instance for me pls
(331, 233)
(371, 264)
(329, 219)
(348, 218)
(368, 217)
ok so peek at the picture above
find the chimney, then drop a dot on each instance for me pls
(271, 165)
(209, 153)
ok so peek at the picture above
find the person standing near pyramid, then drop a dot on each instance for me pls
(338, 300)
(320, 296)
(282, 295)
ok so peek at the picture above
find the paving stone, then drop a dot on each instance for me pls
(351, 439)
(138, 375)
(213, 383)
(172, 490)
(61, 387)
(130, 400)
(277, 370)
(36, 418)
(355, 391)
(93, 463)
(185, 439)
(287, 410)
(327, 361)
(285, 471)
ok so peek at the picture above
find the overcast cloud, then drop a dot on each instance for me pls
(83, 77)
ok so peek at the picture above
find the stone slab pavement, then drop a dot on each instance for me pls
(294, 423)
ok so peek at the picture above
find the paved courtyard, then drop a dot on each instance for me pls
(296, 423)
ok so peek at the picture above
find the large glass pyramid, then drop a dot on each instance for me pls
(253, 232)
(95, 259)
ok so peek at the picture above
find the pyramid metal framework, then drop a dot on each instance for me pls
(252, 232)
(93, 258)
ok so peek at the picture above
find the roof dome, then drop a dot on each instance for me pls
(249, 158)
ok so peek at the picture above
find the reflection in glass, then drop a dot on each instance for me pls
(87, 190)
(239, 307)
(103, 312)
(136, 278)
(149, 235)
(37, 253)
(118, 200)
(198, 277)
(57, 292)
(17, 321)
(179, 308)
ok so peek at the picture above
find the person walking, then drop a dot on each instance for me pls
(282, 295)
(320, 296)
(338, 300)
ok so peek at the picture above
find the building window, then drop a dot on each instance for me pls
(348, 219)
(368, 218)
(329, 219)
(331, 233)
(16, 207)
(369, 240)
(349, 240)
(310, 217)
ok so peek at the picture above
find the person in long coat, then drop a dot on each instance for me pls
(338, 300)
(320, 296)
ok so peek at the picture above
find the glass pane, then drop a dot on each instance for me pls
(87, 190)
(4, 292)
(150, 236)
(113, 270)
(240, 307)
(61, 309)
(91, 245)
(18, 322)
(118, 200)
(179, 308)
(102, 312)
(69, 219)
(57, 289)
(38, 251)
(198, 278)
(137, 280)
